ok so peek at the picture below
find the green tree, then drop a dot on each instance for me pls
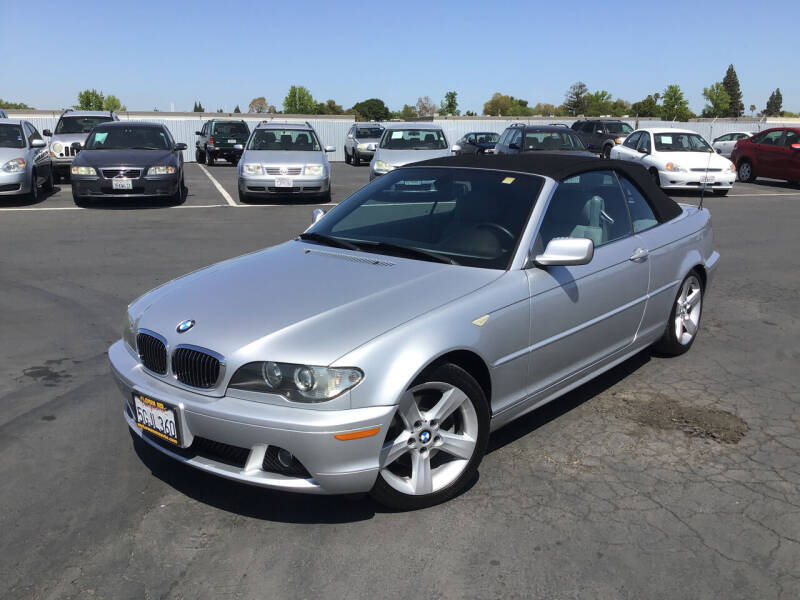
(620, 107)
(329, 107)
(718, 101)
(299, 101)
(449, 106)
(597, 103)
(373, 109)
(575, 99)
(646, 108)
(507, 106)
(90, 100)
(407, 112)
(14, 105)
(111, 102)
(470, 113)
(237, 109)
(752, 110)
(198, 107)
(544, 109)
(774, 104)
(731, 84)
(674, 105)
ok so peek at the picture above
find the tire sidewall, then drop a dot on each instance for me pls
(669, 343)
(454, 375)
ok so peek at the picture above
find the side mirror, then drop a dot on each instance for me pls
(47, 133)
(349, 136)
(514, 146)
(180, 146)
(317, 215)
(330, 149)
(197, 133)
(238, 146)
(455, 148)
(76, 146)
(38, 144)
(719, 150)
(600, 132)
(566, 252)
(643, 151)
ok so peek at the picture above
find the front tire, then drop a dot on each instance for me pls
(745, 171)
(356, 159)
(33, 194)
(655, 177)
(346, 157)
(243, 197)
(49, 184)
(721, 192)
(606, 152)
(436, 442)
(684, 318)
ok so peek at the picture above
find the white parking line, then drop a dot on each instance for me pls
(217, 185)
(764, 194)
(182, 206)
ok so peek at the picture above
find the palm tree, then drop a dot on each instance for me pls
(752, 110)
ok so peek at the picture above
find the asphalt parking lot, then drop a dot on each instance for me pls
(664, 478)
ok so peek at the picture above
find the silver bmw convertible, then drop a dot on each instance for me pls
(376, 351)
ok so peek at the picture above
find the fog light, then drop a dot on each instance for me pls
(285, 458)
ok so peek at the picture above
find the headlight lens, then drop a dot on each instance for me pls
(619, 140)
(84, 171)
(675, 167)
(129, 332)
(383, 166)
(362, 146)
(253, 169)
(316, 170)
(57, 146)
(161, 170)
(298, 383)
(15, 165)
(732, 167)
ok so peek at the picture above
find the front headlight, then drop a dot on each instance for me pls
(15, 165)
(298, 383)
(314, 170)
(732, 167)
(619, 140)
(57, 147)
(84, 171)
(381, 166)
(362, 146)
(129, 332)
(161, 170)
(253, 169)
(675, 167)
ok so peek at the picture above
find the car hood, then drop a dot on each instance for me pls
(696, 160)
(69, 138)
(124, 158)
(301, 302)
(7, 154)
(284, 157)
(398, 158)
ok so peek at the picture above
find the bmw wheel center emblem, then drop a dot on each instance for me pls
(185, 326)
(425, 437)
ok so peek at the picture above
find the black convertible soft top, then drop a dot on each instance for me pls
(561, 167)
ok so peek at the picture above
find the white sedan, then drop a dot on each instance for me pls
(724, 144)
(678, 159)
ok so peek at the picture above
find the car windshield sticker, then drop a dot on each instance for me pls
(508, 180)
(397, 134)
(666, 139)
(100, 138)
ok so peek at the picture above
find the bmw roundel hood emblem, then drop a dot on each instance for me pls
(185, 326)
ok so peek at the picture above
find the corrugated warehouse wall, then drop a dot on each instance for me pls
(332, 131)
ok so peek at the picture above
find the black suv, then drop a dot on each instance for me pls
(520, 137)
(600, 135)
(217, 139)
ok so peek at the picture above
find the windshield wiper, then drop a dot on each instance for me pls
(405, 251)
(145, 148)
(328, 240)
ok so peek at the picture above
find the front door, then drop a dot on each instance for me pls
(583, 314)
(769, 154)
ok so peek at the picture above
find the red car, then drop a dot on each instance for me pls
(773, 153)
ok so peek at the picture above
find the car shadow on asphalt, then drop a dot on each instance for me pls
(134, 204)
(560, 406)
(22, 200)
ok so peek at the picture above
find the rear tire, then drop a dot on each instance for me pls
(436, 441)
(209, 159)
(199, 156)
(745, 171)
(684, 318)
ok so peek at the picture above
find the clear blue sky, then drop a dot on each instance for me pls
(151, 54)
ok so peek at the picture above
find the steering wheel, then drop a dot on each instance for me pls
(497, 229)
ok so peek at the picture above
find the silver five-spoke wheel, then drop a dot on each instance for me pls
(432, 440)
(687, 310)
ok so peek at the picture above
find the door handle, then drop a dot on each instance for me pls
(639, 254)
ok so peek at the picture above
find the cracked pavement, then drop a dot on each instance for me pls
(664, 478)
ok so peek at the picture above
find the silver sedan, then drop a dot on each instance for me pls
(377, 350)
(24, 162)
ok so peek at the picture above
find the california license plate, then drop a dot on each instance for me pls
(231, 141)
(707, 179)
(283, 182)
(118, 183)
(157, 418)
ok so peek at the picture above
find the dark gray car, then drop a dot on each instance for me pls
(219, 138)
(361, 141)
(601, 135)
(539, 138)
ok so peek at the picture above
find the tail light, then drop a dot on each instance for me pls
(211, 140)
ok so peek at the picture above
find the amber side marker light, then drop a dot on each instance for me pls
(357, 435)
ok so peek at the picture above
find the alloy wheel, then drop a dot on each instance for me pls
(687, 310)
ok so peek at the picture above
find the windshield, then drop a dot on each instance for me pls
(283, 139)
(472, 217)
(486, 138)
(79, 124)
(369, 132)
(11, 136)
(681, 142)
(231, 129)
(414, 139)
(551, 141)
(131, 137)
(619, 128)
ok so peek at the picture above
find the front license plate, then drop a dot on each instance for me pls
(157, 418)
(283, 182)
(231, 141)
(121, 184)
(707, 179)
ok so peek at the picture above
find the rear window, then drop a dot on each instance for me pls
(414, 139)
(11, 136)
(79, 124)
(232, 129)
(551, 140)
(369, 132)
(283, 139)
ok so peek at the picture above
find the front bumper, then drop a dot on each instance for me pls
(12, 184)
(335, 466)
(142, 187)
(265, 185)
(693, 180)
